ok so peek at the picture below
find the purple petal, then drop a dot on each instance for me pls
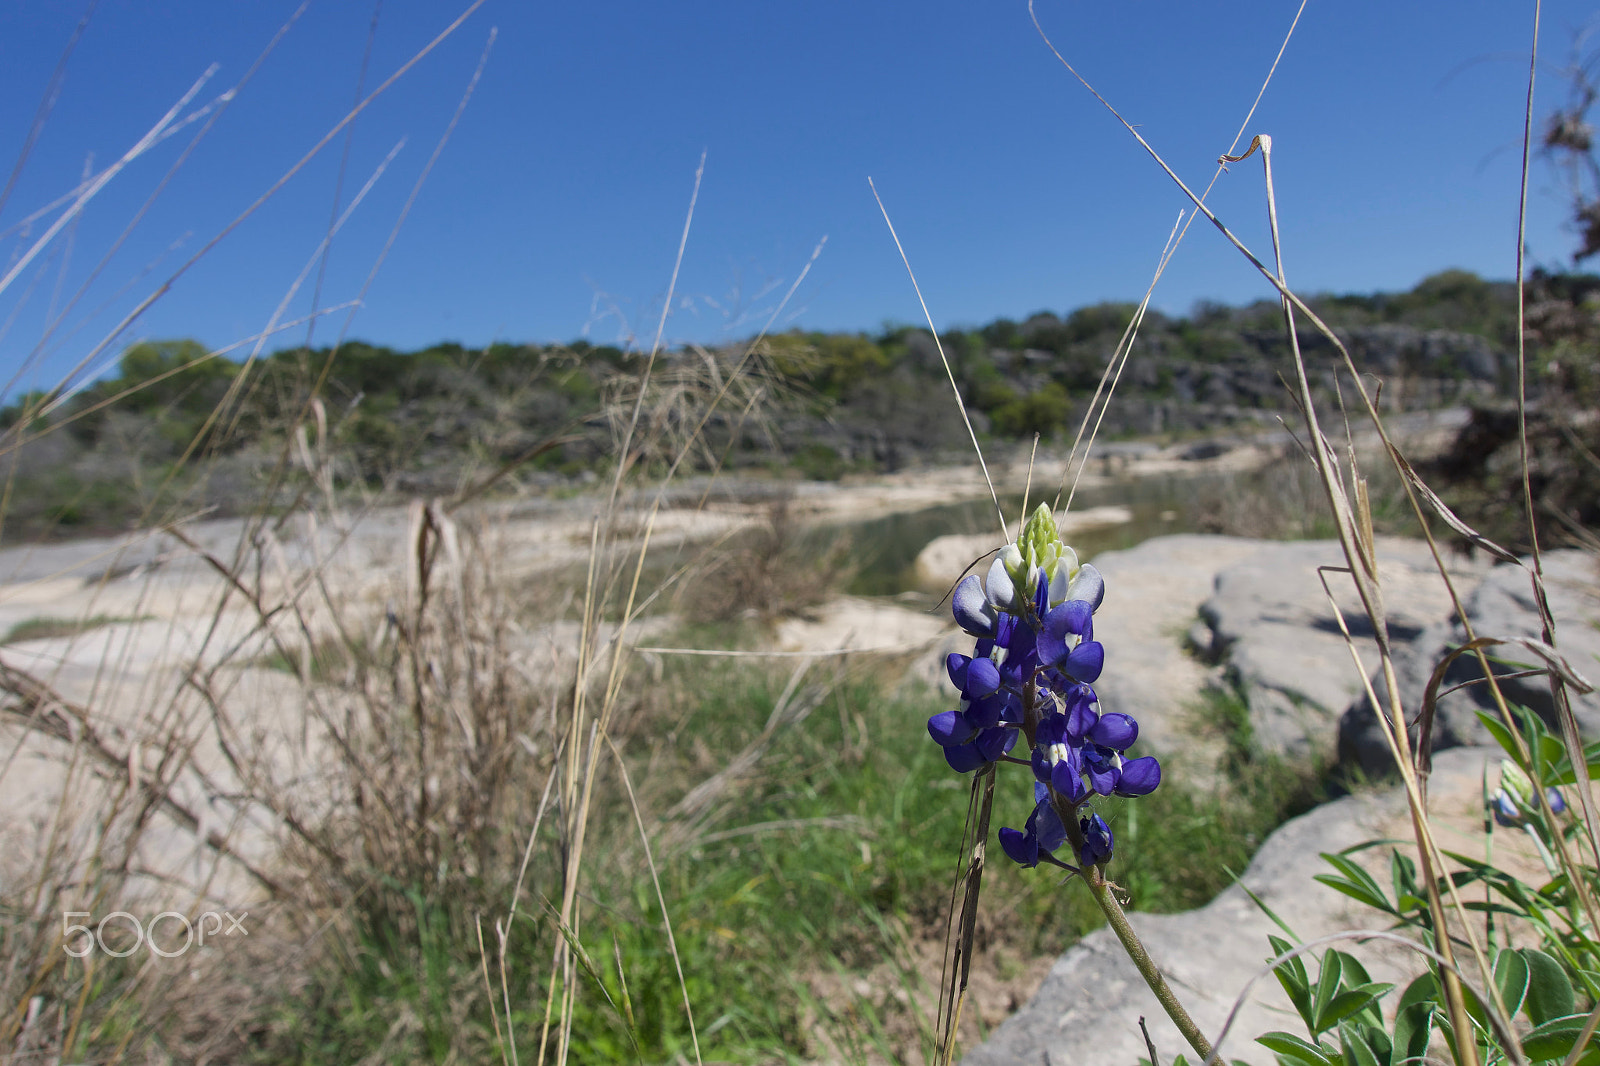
(964, 758)
(982, 679)
(950, 729)
(1048, 828)
(1041, 768)
(1074, 616)
(1086, 661)
(1011, 707)
(1021, 847)
(1067, 777)
(1080, 720)
(1097, 843)
(993, 743)
(1102, 777)
(971, 608)
(1052, 649)
(1139, 776)
(1089, 586)
(955, 664)
(1115, 730)
(986, 713)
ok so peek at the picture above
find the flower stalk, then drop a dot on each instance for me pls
(1030, 678)
(1100, 889)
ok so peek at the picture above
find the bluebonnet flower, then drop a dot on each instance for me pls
(1043, 834)
(1513, 803)
(1096, 846)
(1030, 674)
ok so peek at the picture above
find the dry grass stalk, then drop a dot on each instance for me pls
(1352, 516)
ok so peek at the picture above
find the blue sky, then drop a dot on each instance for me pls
(556, 208)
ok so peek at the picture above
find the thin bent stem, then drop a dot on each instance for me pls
(961, 404)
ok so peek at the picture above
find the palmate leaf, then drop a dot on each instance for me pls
(1357, 1046)
(1403, 872)
(1541, 745)
(1424, 990)
(1511, 976)
(1327, 987)
(1355, 883)
(1291, 974)
(1351, 970)
(1352, 1001)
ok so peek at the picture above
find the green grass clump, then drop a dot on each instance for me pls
(834, 853)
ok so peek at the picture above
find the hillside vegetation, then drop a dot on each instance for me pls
(178, 431)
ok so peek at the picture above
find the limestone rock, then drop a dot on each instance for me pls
(1501, 605)
(1088, 1009)
(1272, 626)
(1152, 593)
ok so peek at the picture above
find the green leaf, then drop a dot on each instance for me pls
(1268, 911)
(1424, 989)
(1511, 975)
(1548, 749)
(1327, 987)
(1549, 990)
(1350, 1002)
(1553, 1039)
(1291, 974)
(1497, 729)
(1351, 970)
(1475, 1008)
(1291, 1049)
(1413, 1029)
(1403, 872)
(1357, 1052)
(1356, 883)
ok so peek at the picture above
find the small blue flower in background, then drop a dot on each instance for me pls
(1513, 803)
(1029, 674)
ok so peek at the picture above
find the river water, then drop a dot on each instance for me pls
(881, 552)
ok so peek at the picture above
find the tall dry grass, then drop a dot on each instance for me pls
(1476, 998)
(392, 735)
(380, 733)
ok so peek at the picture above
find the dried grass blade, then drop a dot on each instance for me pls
(937, 343)
(955, 992)
(1449, 517)
(655, 879)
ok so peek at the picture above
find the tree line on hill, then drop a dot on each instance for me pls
(178, 427)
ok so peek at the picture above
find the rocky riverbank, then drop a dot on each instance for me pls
(1249, 620)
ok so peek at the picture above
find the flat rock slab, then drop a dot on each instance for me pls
(1501, 605)
(852, 623)
(1152, 593)
(1272, 625)
(1088, 1009)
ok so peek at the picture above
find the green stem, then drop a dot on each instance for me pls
(1101, 889)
